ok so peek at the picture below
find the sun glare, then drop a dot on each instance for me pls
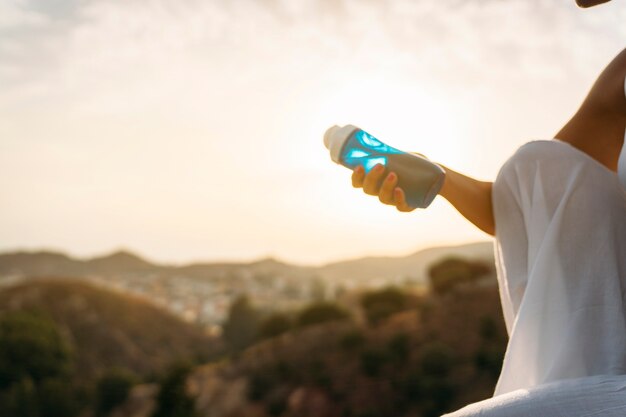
(399, 112)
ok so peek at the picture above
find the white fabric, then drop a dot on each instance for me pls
(621, 165)
(596, 396)
(561, 261)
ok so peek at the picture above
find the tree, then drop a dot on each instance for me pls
(57, 398)
(321, 312)
(380, 304)
(31, 347)
(274, 325)
(112, 390)
(20, 400)
(437, 359)
(445, 275)
(35, 364)
(172, 400)
(399, 348)
(241, 327)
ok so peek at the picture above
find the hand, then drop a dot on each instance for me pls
(386, 190)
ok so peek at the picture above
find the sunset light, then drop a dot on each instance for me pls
(195, 131)
(312, 208)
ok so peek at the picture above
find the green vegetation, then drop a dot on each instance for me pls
(275, 325)
(58, 398)
(398, 348)
(415, 366)
(113, 389)
(172, 400)
(352, 340)
(321, 312)
(380, 304)
(372, 362)
(451, 272)
(418, 364)
(489, 356)
(260, 384)
(31, 348)
(73, 349)
(488, 329)
(242, 325)
(35, 363)
(437, 359)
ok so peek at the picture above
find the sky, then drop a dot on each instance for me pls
(192, 130)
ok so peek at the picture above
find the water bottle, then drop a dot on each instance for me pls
(419, 178)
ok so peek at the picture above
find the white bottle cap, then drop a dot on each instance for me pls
(335, 137)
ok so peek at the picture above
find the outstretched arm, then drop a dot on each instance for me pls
(472, 198)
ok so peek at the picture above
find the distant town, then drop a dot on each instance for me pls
(203, 293)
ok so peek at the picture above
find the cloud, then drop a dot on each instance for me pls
(78, 41)
(166, 105)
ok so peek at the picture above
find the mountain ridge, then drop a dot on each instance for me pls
(123, 262)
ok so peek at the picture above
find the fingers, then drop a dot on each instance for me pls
(357, 177)
(385, 195)
(387, 190)
(400, 200)
(371, 183)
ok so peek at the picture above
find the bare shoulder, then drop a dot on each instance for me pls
(607, 94)
(598, 126)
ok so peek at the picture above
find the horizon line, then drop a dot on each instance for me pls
(139, 255)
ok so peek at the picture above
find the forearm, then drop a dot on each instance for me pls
(472, 198)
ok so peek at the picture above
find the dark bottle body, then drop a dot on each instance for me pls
(419, 178)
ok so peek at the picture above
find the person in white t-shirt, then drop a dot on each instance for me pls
(557, 210)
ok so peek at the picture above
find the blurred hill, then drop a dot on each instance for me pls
(370, 351)
(106, 329)
(412, 267)
(441, 353)
(57, 264)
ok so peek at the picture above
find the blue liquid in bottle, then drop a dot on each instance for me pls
(419, 178)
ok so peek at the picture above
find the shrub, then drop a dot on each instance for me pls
(437, 359)
(274, 325)
(450, 272)
(172, 400)
(399, 348)
(20, 399)
(372, 362)
(35, 365)
(260, 384)
(242, 325)
(489, 359)
(369, 413)
(31, 347)
(320, 313)
(380, 304)
(488, 328)
(352, 340)
(276, 407)
(411, 386)
(57, 398)
(319, 374)
(112, 390)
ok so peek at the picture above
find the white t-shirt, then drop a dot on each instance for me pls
(621, 165)
(560, 251)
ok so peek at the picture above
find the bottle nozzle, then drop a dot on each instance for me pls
(328, 135)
